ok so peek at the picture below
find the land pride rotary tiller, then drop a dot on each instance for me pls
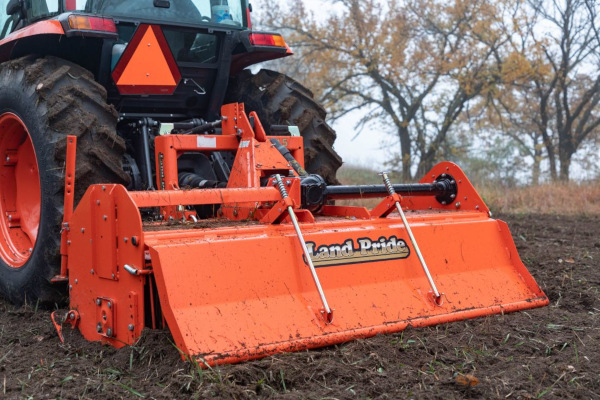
(166, 208)
(281, 268)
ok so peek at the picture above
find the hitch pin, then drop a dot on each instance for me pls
(284, 194)
(391, 191)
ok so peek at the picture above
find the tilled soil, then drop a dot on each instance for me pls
(552, 352)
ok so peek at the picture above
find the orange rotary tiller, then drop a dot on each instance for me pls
(281, 268)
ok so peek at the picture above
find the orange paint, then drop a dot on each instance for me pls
(48, 27)
(20, 192)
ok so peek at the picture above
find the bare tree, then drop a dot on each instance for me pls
(413, 65)
(554, 80)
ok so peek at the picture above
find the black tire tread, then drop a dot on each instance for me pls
(279, 99)
(69, 102)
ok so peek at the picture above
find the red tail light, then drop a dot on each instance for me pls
(267, 39)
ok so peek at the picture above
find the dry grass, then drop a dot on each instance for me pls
(561, 198)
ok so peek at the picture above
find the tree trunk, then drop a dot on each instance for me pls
(535, 174)
(565, 165)
(551, 155)
(537, 160)
(405, 152)
(566, 149)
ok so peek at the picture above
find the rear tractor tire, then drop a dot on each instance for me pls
(280, 100)
(42, 100)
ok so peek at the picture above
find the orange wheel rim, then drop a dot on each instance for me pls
(20, 194)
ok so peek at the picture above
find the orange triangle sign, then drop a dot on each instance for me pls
(147, 65)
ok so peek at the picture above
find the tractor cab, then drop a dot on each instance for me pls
(234, 12)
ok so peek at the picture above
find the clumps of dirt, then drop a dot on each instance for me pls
(211, 223)
(550, 352)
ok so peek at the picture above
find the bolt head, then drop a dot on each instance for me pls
(99, 327)
(92, 271)
(131, 327)
(98, 302)
(457, 205)
(109, 332)
(76, 281)
(82, 230)
(7, 158)
(98, 202)
(109, 305)
(72, 316)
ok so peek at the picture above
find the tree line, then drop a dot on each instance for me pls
(518, 77)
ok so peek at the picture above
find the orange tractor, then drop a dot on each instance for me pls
(151, 176)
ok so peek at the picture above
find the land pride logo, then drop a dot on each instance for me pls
(362, 251)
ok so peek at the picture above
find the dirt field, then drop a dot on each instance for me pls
(553, 352)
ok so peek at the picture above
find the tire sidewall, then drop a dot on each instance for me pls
(23, 283)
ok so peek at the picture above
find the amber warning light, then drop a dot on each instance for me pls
(87, 23)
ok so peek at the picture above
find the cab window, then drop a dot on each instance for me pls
(6, 21)
(37, 9)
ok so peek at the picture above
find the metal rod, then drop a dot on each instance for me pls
(391, 191)
(147, 161)
(290, 210)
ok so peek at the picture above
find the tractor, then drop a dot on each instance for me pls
(66, 70)
(151, 177)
